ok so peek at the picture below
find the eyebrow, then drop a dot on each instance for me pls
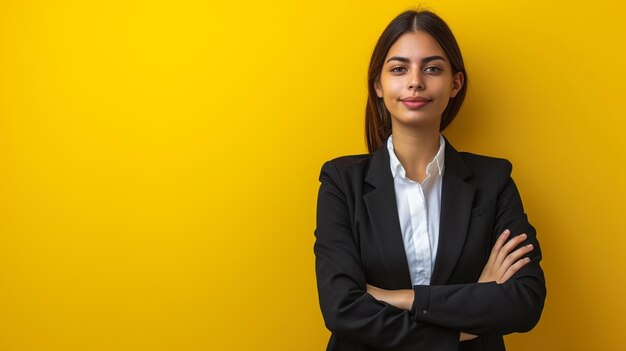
(424, 60)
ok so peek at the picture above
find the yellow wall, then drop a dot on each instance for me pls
(159, 162)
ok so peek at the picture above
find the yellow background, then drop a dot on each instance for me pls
(159, 162)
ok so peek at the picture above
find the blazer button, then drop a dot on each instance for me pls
(424, 312)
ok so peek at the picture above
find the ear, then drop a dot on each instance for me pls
(378, 87)
(457, 83)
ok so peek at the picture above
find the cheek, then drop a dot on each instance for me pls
(445, 86)
(398, 85)
(389, 102)
(391, 86)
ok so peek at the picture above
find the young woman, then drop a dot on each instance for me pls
(419, 246)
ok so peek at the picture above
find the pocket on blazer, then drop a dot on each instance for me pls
(486, 207)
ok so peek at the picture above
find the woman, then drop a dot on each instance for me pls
(419, 246)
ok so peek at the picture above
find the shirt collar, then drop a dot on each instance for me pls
(436, 165)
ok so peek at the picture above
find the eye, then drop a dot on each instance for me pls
(398, 69)
(432, 69)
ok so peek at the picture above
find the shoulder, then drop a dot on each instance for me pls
(346, 166)
(478, 162)
(487, 168)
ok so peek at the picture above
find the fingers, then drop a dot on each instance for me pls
(514, 268)
(509, 246)
(513, 261)
(501, 239)
(517, 254)
(497, 247)
(491, 267)
(500, 242)
(505, 260)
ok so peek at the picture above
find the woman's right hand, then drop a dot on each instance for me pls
(503, 263)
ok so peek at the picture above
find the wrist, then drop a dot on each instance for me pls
(409, 296)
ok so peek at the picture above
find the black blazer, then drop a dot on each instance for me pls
(359, 241)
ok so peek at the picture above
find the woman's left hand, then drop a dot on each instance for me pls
(504, 261)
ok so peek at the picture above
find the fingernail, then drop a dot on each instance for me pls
(530, 246)
(524, 236)
(507, 232)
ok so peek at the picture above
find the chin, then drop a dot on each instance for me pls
(418, 122)
(417, 118)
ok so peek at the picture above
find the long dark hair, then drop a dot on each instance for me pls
(377, 117)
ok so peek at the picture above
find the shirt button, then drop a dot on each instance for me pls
(424, 312)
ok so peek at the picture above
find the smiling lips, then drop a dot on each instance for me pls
(415, 102)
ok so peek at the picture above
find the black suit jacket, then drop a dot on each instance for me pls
(359, 241)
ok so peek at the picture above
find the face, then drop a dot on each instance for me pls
(416, 81)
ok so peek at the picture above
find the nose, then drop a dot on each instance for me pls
(416, 81)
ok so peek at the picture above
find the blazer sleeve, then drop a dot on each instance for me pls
(482, 308)
(349, 311)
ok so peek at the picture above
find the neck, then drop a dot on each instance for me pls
(415, 148)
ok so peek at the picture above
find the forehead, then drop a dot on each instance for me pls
(415, 45)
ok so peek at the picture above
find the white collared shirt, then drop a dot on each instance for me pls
(419, 205)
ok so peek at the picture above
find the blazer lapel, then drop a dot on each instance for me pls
(383, 213)
(457, 197)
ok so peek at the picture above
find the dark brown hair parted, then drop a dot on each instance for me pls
(377, 117)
